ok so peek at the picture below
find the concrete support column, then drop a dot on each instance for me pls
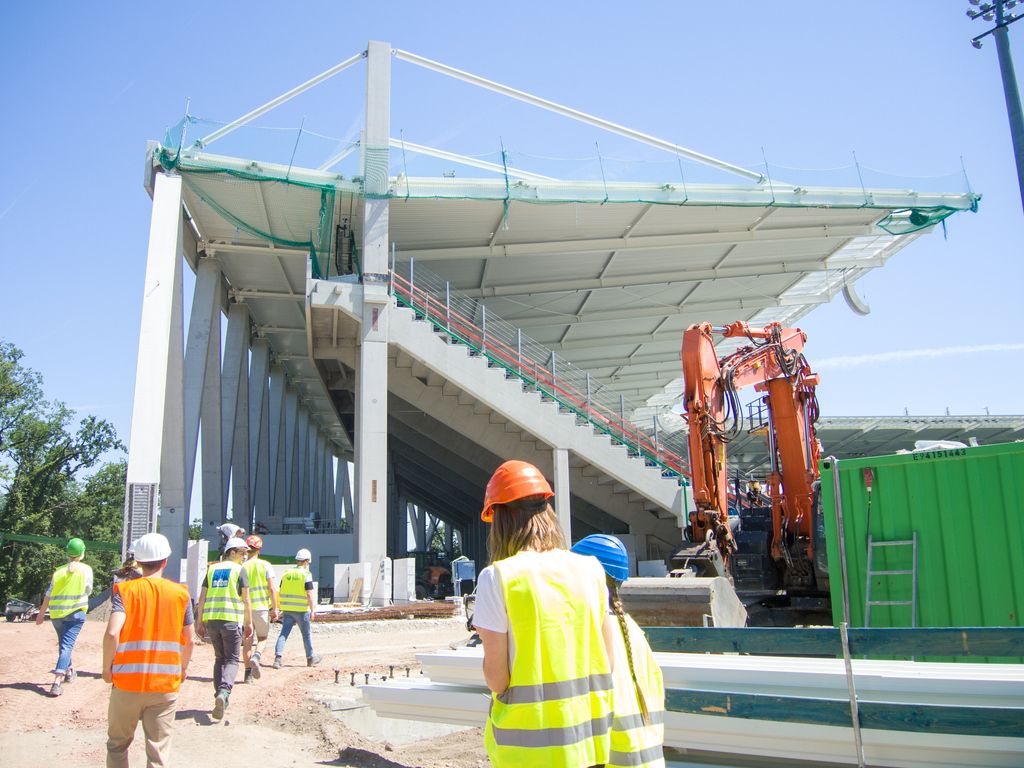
(330, 510)
(276, 442)
(156, 455)
(562, 504)
(235, 416)
(259, 430)
(402, 523)
(372, 383)
(449, 539)
(291, 429)
(214, 501)
(302, 461)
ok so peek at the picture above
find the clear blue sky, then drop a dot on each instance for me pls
(83, 86)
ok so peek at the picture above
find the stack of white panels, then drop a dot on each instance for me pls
(717, 690)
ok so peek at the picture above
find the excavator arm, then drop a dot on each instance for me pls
(772, 363)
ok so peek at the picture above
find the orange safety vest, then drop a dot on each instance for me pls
(148, 656)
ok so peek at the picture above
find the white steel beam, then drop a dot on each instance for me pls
(646, 242)
(562, 497)
(464, 160)
(207, 140)
(576, 115)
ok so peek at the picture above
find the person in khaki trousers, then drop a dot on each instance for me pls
(146, 651)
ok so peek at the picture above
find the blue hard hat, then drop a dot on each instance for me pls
(609, 551)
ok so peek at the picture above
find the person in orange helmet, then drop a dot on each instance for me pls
(541, 612)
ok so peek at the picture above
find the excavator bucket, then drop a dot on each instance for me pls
(684, 601)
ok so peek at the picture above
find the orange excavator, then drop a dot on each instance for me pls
(779, 539)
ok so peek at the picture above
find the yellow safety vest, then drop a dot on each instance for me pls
(636, 744)
(259, 591)
(557, 710)
(69, 593)
(222, 600)
(292, 596)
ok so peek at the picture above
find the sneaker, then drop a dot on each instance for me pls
(312, 661)
(254, 667)
(277, 662)
(56, 690)
(248, 676)
(70, 676)
(220, 703)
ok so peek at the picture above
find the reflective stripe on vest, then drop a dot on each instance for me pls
(223, 603)
(69, 593)
(557, 711)
(292, 596)
(148, 655)
(259, 591)
(636, 744)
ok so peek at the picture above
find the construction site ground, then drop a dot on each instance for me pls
(284, 719)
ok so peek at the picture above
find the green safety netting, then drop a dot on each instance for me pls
(281, 184)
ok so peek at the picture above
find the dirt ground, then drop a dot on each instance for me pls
(273, 722)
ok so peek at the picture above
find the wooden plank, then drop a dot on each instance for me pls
(1007, 642)
(915, 718)
(355, 592)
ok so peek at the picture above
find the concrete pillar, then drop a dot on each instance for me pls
(372, 382)
(291, 416)
(235, 415)
(214, 502)
(259, 429)
(302, 461)
(449, 539)
(330, 510)
(156, 454)
(561, 461)
(277, 442)
(402, 523)
(420, 522)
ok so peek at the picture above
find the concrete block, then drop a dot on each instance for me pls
(404, 580)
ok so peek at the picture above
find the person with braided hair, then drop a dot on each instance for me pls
(638, 729)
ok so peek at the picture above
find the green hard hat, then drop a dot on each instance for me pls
(76, 547)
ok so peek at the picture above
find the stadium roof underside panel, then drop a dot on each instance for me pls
(605, 271)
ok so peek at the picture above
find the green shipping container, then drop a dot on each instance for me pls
(966, 507)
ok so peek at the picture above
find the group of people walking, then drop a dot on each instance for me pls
(573, 680)
(149, 637)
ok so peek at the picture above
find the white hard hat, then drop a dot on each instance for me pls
(235, 543)
(151, 548)
(303, 554)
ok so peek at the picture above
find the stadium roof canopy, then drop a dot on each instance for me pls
(604, 262)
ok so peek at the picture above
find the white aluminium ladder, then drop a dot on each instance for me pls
(912, 602)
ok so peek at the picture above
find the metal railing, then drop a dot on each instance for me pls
(468, 321)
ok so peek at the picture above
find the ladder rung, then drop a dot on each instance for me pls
(891, 602)
(891, 543)
(885, 573)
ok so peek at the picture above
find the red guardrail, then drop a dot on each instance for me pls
(607, 421)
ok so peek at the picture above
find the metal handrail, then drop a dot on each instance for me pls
(454, 313)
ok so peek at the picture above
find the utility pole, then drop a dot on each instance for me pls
(999, 11)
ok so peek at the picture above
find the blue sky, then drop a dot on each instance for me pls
(806, 83)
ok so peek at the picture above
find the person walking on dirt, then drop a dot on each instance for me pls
(298, 605)
(146, 651)
(638, 731)
(263, 596)
(226, 616)
(541, 613)
(67, 599)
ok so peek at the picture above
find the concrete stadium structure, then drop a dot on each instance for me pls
(325, 363)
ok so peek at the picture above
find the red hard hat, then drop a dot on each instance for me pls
(513, 480)
(254, 542)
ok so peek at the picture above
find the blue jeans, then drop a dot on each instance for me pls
(67, 628)
(291, 618)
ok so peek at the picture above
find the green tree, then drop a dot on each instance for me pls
(40, 454)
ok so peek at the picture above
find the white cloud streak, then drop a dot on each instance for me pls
(853, 361)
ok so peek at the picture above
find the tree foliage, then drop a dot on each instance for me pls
(41, 452)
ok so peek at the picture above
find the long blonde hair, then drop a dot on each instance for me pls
(527, 523)
(620, 614)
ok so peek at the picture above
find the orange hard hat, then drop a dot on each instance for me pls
(513, 480)
(254, 542)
